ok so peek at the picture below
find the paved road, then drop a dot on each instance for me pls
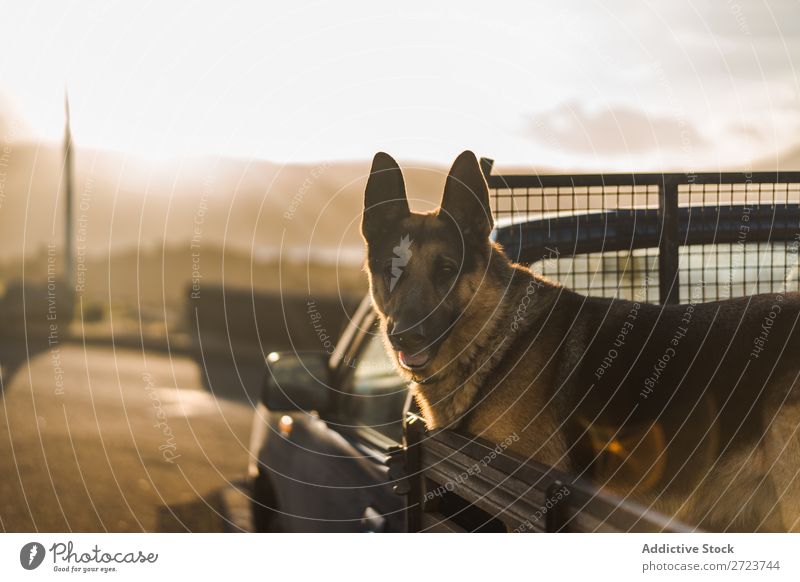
(118, 440)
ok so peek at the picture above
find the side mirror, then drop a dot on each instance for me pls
(297, 381)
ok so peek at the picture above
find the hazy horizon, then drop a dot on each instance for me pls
(240, 132)
(684, 84)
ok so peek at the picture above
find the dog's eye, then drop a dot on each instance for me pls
(447, 270)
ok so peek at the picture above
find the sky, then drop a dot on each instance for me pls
(672, 84)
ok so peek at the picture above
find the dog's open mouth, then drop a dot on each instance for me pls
(415, 361)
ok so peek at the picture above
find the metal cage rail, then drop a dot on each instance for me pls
(659, 235)
(508, 493)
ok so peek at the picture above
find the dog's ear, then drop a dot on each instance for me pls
(466, 198)
(385, 200)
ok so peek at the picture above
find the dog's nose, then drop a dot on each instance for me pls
(408, 337)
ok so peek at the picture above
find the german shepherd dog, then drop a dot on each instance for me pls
(692, 409)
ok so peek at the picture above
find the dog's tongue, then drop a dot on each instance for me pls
(413, 360)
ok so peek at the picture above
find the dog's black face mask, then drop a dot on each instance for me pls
(419, 265)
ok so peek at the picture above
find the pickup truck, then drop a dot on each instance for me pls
(337, 444)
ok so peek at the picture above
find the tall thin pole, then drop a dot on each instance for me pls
(67, 177)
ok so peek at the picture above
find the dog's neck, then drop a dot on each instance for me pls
(498, 312)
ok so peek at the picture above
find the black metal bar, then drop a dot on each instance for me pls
(646, 179)
(615, 230)
(557, 516)
(486, 167)
(669, 242)
(414, 431)
(608, 231)
(514, 489)
(618, 230)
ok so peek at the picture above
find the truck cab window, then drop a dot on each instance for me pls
(378, 393)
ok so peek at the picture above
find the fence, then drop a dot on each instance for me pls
(654, 237)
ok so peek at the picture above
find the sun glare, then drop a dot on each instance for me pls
(331, 82)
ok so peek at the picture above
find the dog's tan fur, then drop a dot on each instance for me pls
(518, 356)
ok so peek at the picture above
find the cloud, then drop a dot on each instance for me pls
(738, 19)
(571, 128)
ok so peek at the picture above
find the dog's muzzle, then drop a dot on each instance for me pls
(412, 345)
